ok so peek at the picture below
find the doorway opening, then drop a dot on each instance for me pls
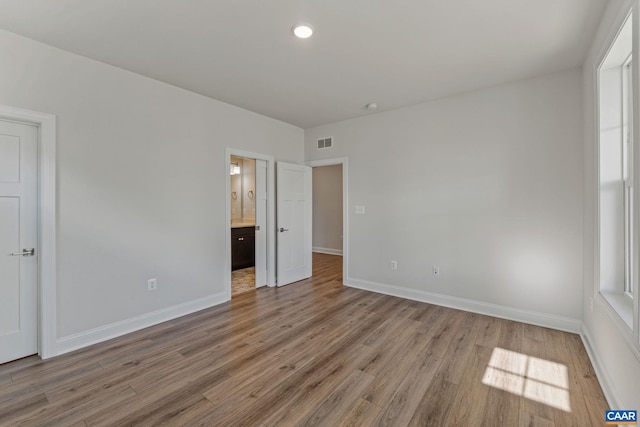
(330, 209)
(250, 260)
(242, 178)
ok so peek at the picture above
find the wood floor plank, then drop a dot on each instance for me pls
(530, 420)
(185, 416)
(489, 333)
(361, 414)
(140, 347)
(254, 384)
(435, 317)
(556, 345)
(535, 348)
(586, 400)
(85, 404)
(315, 353)
(579, 415)
(331, 410)
(253, 412)
(263, 322)
(158, 406)
(435, 407)
(538, 409)
(468, 409)
(409, 393)
(391, 369)
(533, 332)
(501, 408)
(502, 405)
(310, 320)
(511, 335)
(79, 360)
(422, 311)
(460, 348)
(86, 385)
(314, 385)
(585, 373)
(179, 373)
(8, 368)
(15, 411)
(596, 407)
(5, 378)
(34, 385)
(407, 342)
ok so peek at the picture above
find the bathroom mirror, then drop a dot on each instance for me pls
(243, 185)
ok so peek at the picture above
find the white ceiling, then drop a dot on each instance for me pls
(242, 52)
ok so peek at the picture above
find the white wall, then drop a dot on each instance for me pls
(141, 181)
(327, 209)
(486, 185)
(615, 358)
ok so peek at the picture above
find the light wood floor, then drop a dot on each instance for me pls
(314, 353)
(243, 280)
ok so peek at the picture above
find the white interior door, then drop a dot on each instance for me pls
(293, 204)
(18, 240)
(261, 223)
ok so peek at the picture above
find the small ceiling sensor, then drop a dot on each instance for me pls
(372, 106)
(302, 31)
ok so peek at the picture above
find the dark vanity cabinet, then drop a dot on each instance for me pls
(243, 247)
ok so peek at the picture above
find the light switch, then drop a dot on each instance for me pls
(360, 209)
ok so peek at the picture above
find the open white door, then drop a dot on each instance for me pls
(293, 204)
(18, 240)
(261, 223)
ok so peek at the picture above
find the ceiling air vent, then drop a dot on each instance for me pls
(325, 143)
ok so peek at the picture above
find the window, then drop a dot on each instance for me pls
(616, 170)
(627, 164)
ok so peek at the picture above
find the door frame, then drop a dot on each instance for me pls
(271, 224)
(345, 207)
(47, 314)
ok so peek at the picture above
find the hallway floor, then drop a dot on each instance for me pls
(243, 280)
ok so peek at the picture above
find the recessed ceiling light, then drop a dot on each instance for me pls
(302, 31)
(372, 106)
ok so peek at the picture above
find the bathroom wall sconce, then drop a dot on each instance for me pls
(234, 169)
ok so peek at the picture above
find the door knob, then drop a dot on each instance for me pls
(283, 229)
(25, 252)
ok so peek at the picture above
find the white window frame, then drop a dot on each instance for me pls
(627, 158)
(619, 303)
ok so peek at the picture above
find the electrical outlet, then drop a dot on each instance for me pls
(435, 270)
(152, 284)
(394, 265)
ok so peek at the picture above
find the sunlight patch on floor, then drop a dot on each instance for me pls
(536, 379)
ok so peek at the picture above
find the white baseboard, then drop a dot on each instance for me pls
(328, 251)
(113, 330)
(533, 317)
(601, 373)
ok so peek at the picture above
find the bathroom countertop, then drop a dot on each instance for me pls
(242, 224)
